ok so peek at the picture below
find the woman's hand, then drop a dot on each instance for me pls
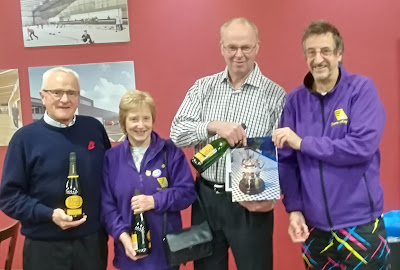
(126, 241)
(142, 203)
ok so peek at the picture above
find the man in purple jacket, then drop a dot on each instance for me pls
(329, 160)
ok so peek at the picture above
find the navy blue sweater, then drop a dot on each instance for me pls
(35, 171)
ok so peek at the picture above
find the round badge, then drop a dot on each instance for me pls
(148, 173)
(156, 173)
(163, 166)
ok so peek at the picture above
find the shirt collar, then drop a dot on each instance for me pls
(50, 121)
(251, 79)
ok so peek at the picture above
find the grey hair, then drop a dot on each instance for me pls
(47, 74)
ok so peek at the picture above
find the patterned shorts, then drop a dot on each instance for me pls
(359, 247)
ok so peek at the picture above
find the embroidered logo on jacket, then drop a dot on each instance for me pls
(341, 117)
(90, 145)
(163, 182)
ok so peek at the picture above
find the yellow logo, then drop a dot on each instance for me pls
(163, 182)
(340, 115)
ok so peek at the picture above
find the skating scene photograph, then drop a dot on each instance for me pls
(101, 87)
(74, 22)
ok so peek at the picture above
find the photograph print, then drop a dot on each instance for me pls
(252, 171)
(102, 87)
(10, 105)
(73, 22)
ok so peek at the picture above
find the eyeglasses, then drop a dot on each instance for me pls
(57, 93)
(324, 52)
(233, 49)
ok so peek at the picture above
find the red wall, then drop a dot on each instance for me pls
(174, 42)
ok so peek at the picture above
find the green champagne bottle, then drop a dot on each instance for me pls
(73, 198)
(140, 232)
(210, 153)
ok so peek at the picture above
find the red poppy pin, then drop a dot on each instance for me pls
(90, 145)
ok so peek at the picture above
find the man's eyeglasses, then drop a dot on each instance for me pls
(324, 52)
(57, 93)
(233, 49)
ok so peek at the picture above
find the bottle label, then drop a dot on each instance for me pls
(148, 238)
(199, 156)
(207, 150)
(74, 202)
(74, 212)
(135, 241)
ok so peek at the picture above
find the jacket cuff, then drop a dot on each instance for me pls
(292, 205)
(156, 197)
(305, 145)
(119, 231)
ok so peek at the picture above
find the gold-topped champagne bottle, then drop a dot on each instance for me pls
(210, 153)
(73, 195)
(140, 232)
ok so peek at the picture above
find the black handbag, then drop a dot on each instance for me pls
(189, 244)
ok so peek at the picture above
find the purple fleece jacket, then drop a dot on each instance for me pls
(334, 178)
(121, 178)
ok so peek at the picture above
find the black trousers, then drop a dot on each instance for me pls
(86, 253)
(248, 234)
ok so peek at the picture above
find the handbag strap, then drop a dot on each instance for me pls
(168, 177)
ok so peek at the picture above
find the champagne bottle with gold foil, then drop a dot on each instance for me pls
(210, 153)
(73, 198)
(140, 232)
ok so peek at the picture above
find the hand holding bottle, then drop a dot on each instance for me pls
(142, 203)
(65, 221)
(233, 133)
(213, 151)
(128, 246)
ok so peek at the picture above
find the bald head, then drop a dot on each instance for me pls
(239, 21)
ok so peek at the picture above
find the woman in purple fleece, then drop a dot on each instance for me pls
(138, 163)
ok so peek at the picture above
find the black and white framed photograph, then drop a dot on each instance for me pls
(73, 22)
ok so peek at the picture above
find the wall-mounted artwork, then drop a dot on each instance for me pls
(10, 105)
(102, 86)
(72, 22)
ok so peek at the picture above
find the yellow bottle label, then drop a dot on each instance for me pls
(73, 202)
(74, 212)
(207, 150)
(134, 241)
(148, 238)
(199, 156)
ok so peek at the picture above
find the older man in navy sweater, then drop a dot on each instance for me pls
(34, 176)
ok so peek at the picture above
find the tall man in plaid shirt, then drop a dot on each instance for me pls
(215, 106)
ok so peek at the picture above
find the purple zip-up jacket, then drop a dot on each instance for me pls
(121, 178)
(334, 178)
